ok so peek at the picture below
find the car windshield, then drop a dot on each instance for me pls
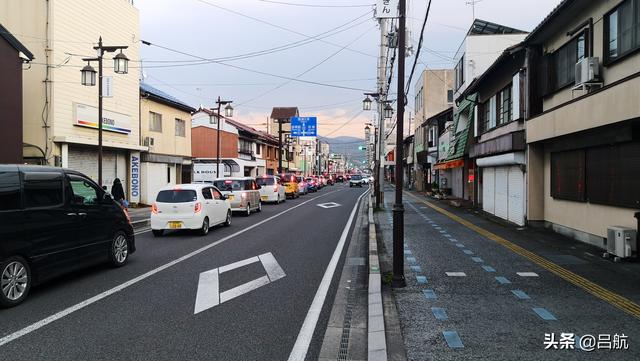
(300, 179)
(287, 178)
(230, 185)
(356, 177)
(265, 181)
(177, 196)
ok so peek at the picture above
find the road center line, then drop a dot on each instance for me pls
(301, 347)
(39, 324)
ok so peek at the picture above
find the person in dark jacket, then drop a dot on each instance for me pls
(117, 191)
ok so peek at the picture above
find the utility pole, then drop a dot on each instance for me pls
(382, 82)
(398, 207)
(280, 146)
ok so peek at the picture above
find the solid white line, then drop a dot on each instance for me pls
(208, 291)
(300, 348)
(39, 324)
(271, 266)
(456, 274)
(239, 264)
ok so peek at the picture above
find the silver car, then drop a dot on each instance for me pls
(243, 193)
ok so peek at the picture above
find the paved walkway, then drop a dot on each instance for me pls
(480, 290)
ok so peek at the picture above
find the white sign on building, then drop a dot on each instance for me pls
(87, 116)
(387, 9)
(134, 191)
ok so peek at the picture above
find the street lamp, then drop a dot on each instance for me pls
(228, 112)
(366, 103)
(120, 66)
(388, 111)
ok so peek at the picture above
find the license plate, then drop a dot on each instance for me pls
(264, 198)
(230, 198)
(175, 225)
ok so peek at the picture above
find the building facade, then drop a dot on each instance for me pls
(13, 54)
(165, 124)
(60, 119)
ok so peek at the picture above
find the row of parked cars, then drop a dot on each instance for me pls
(200, 206)
(55, 220)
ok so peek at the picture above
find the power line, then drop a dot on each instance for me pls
(316, 5)
(343, 125)
(278, 26)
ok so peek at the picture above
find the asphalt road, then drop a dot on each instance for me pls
(145, 310)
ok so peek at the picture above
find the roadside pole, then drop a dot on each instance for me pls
(382, 81)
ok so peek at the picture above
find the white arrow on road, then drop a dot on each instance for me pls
(209, 295)
(329, 205)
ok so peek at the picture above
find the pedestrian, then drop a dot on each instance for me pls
(117, 191)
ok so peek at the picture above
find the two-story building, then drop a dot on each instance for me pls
(583, 126)
(13, 54)
(61, 117)
(204, 146)
(427, 138)
(165, 124)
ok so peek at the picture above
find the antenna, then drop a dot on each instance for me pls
(473, 6)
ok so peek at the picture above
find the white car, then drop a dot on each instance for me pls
(356, 181)
(272, 190)
(189, 206)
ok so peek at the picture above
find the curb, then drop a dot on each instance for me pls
(377, 344)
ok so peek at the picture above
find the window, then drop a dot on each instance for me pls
(84, 193)
(177, 196)
(9, 191)
(568, 175)
(486, 107)
(244, 146)
(42, 189)
(459, 73)
(180, 128)
(206, 193)
(155, 122)
(505, 111)
(450, 96)
(216, 194)
(622, 30)
(258, 149)
(564, 62)
(612, 175)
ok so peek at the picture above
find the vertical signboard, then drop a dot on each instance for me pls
(134, 183)
(387, 9)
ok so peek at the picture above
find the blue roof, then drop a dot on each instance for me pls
(159, 94)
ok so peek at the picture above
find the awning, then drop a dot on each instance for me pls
(450, 164)
(502, 160)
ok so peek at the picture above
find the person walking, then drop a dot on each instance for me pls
(118, 192)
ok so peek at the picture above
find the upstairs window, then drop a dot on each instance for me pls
(180, 128)
(155, 122)
(565, 59)
(450, 96)
(506, 106)
(622, 30)
(459, 73)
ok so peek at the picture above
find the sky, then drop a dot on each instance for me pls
(331, 42)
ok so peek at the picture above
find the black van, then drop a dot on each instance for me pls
(52, 221)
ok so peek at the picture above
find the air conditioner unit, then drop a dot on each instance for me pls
(587, 70)
(621, 241)
(148, 142)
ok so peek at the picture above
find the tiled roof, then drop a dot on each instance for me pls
(284, 112)
(157, 94)
(259, 134)
(482, 27)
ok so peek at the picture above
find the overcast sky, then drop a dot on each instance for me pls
(224, 28)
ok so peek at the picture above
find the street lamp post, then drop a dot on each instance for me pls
(228, 112)
(366, 105)
(398, 207)
(120, 66)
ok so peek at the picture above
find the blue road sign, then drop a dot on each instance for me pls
(304, 126)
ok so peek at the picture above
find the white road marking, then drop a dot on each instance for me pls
(527, 274)
(208, 291)
(39, 324)
(244, 262)
(274, 271)
(329, 205)
(456, 274)
(300, 348)
(243, 288)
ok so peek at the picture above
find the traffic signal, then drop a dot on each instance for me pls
(362, 147)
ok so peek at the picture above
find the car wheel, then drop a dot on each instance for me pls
(227, 222)
(15, 281)
(205, 227)
(119, 250)
(157, 232)
(259, 206)
(278, 199)
(248, 210)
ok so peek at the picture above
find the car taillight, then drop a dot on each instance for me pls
(244, 194)
(197, 208)
(275, 188)
(154, 208)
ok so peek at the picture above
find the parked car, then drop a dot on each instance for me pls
(291, 185)
(243, 193)
(53, 221)
(189, 206)
(340, 179)
(356, 181)
(331, 180)
(312, 185)
(271, 189)
(302, 185)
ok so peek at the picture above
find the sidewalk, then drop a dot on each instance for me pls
(483, 290)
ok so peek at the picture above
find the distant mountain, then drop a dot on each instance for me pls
(347, 146)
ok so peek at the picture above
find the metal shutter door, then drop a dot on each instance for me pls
(516, 195)
(501, 195)
(86, 161)
(488, 189)
(456, 182)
